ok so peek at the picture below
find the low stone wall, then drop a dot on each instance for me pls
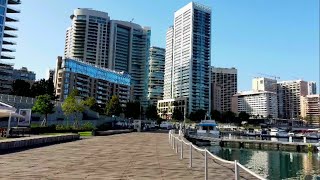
(35, 141)
(111, 132)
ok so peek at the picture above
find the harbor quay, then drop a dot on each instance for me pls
(122, 156)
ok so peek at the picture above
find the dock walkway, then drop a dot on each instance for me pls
(125, 156)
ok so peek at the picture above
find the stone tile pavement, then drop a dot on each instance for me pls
(136, 156)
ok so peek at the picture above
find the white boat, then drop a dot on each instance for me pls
(273, 132)
(282, 133)
(312, 135)
(208, 128)
(253, 132)
(299, 135)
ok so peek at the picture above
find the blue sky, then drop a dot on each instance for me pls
(256, 36)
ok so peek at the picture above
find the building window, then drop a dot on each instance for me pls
(3, 2)
(2, 10)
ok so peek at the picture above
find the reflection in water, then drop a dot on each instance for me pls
(274, 164)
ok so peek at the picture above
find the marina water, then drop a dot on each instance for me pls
(274, 165)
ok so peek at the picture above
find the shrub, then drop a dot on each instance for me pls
(104, 126)
(88, 126)
(42, 130)
(64, 128)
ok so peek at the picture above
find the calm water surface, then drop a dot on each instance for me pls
(274, 164)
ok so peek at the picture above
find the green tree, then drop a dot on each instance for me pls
(228, 116)
(309, 119)
(243, 116)
(216, 115)
(198, 115)
(92, 104)
(73, 106)
(21, 88)
(113, 107)
(151, 112)
(132, 110)
(43, 87)
(177, 114)
(89, 102)
(43, 105)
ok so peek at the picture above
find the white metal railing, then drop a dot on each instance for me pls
(173, 141)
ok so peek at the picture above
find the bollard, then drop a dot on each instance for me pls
(304, 139)
(181, 150)
(290, 138)
(205, 165)
(229, 136)
(190, 165)
(236, 170)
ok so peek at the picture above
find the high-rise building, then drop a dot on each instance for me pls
(167, 88)
(156, 74)
(310, 108)
(312, 88)
(90, 81)
(191, 55)
(6, 69)
(166, 107)
(86, 39)
(24, 74)
(6, 80)
(129, 52)
(118, 45)
(50, 74)
(223, 87)
(262, 104)
(264, 84)
(289, 93)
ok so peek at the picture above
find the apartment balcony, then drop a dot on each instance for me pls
(4, 49)
(12, 10)
(6, 56)
(11, 19)
(9, 35)
(14, 2)
(10, 28)
(6, 42)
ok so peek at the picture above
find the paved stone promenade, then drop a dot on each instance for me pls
(136, 156)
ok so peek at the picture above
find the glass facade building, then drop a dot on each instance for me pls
(156, 74)
(113, 44)
(191, 56)
(90, 81)
(6, 29)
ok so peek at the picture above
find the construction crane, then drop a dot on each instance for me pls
(270, 76)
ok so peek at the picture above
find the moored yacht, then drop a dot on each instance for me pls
(208, 128)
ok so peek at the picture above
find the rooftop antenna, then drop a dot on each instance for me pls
(132, 20)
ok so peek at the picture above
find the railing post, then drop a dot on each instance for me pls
(176, 145)
(205, 165)
(190, 156)
(181, 150)
(236, 170)
(174, 142)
